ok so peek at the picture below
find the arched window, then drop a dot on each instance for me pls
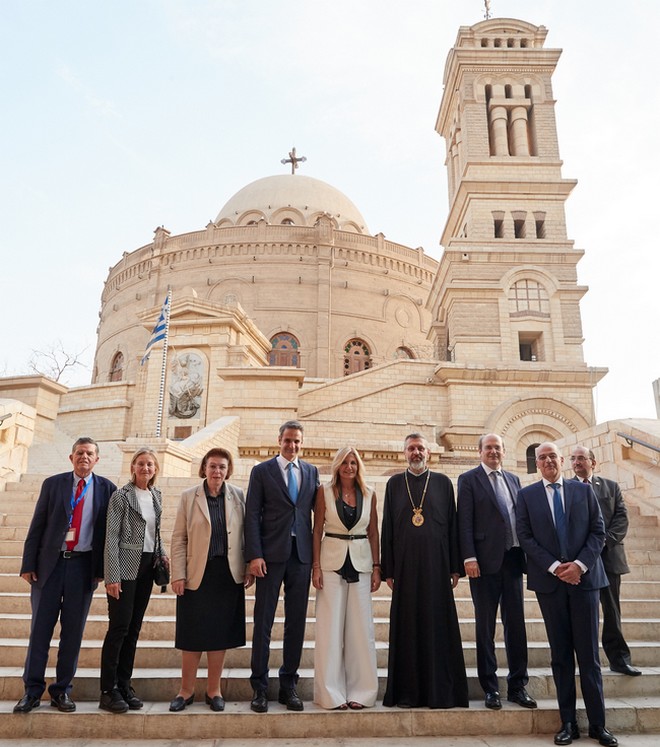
(403, 352)
(285, 352)
(530, 454)
(357, 357)
(117, 368)
(287, 222)
(528, 296)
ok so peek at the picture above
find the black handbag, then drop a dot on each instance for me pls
(161, 570)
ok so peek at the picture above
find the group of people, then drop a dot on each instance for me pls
(566, 535)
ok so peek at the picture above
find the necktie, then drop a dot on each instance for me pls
(292, 483)
(585, 480)
(500, 494)
(560, 521)
(76, 518)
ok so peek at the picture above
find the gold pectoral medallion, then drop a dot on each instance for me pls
(417, 518)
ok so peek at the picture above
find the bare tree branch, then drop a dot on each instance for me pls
(55, 361)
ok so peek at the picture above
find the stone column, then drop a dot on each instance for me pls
(519, 139)
(498, 124)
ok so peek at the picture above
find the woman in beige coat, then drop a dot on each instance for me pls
(209, 577)
(345, 571)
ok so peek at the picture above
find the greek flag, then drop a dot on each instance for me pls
(160, 330)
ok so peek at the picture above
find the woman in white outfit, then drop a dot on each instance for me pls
(345, 571)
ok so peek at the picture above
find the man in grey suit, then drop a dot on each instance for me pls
(561, 530)
(63, 563)
(278, 549)
(615, 516)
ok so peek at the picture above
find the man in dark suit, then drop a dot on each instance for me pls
(494, 564)
(63, 563)
(278, 548)
(615, 516)
(561, 530)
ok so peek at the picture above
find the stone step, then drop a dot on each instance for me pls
(162, 628)
(157, 654)
(198, 722)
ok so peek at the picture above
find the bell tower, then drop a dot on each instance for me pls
(505, 300)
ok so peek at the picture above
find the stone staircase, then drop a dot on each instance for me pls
(633, 704)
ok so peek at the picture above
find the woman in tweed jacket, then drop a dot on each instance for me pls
(131, 544)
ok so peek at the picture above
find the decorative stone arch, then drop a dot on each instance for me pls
(286, 350)
(402, 310)
(351, 226)
(230, 291)
(250, 217)
(288, 216)
(524, 421)
(117, 367)
(534, 82)
(529, 272)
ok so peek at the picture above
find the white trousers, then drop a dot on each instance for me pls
(345, 650)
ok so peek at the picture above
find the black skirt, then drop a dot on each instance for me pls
(212, 617)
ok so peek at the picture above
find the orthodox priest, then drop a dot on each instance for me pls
(421, 564)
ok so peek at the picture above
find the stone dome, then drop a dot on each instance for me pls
(291, 199)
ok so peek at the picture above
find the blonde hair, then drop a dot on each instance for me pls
(137, 455)
(339, 459)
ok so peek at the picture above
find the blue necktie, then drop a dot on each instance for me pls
(560, 521)
(500, 494)
(292, 483)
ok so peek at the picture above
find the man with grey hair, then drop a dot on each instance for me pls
(561, 530)
(63, 563)
(615, 516)
(278, 549)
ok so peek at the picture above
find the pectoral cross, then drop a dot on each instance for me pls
(294, 160)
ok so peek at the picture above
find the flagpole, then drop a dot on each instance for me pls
(163, 370)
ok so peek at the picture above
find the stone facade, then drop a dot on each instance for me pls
(286, 306)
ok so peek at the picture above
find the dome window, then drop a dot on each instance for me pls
(285, 352)
(357, 357)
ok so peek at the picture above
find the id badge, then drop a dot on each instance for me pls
(71, 535)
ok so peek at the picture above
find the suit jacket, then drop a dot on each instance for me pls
(615, 516)
(50, 524)
(481, 530)
(538, 537)
(192, 535)
(333, 549)
(270, 513)
(125, 531)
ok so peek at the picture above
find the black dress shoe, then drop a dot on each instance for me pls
(567, 733)
(179, 703)
(604, 737)
(290, 698)
(112, 701)
(625, 669)
(63, 703)
(217, 702)
(27, 703)
(259, 702)
(128, 694)
(521, 697)
(493, 701)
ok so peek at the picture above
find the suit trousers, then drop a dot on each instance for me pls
(570, 615)
(503, 589)
(345, 649)
(614, 644)
(67, 595)
(125, 622)
(296, 578)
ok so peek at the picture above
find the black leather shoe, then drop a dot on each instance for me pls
(493, 701)
(179, 703)
(112, 701)
(604, 737)
(128, 694)
(259, 702)
(522, 698)
(27, 703)
(63, 703)
(217, 702)
(567, 733)
(290, 698)
(625, 669)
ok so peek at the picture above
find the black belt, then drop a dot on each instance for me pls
(347, 536)
(66, 554)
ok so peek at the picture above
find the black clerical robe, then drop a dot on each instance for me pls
(425, 664)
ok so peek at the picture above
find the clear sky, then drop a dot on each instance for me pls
(122, 116)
